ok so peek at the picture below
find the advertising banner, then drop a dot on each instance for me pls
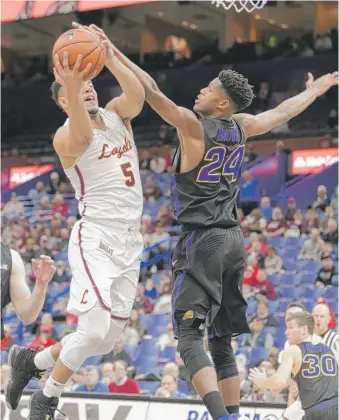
(312, 160)
(20, 174)
(132, 409)
(28, 9)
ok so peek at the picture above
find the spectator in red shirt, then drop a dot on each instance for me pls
(265, 285)
(59, 206)
(252, 247)
(122, 384)
(44, 340)
(277, 225)
(251, 271)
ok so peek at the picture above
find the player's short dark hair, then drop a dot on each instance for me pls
(237, 88)
(296, 305)
(55, 89)
(303, 319)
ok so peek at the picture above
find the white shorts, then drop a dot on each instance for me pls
(294, 411)
(105, 264)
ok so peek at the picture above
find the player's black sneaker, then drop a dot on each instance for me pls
(41, 407)
(23, 369)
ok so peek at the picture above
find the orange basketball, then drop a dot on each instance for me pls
(81, 42)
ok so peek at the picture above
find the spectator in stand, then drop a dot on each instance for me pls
(54, 183)
(158, 165)
(323, 43)
(251, 271)
(142, 303)
(164, 217)
(254, 238)
(332, 120)
(331, 235)
(13, 208)
(328, 251)
(122, 384)
(164, 304)
(107, 371)
(43, 248)
(134, 330)
(180, 372)
(151, 191)
(118, 353)
(45, 209)
(265, 208)
(294, 226)
(259, 337)
(61, 276)
(249, 192)
(43, 340)
(255, 221)
(311, 221)
(291, 209)
(91, 381)
(273, 263)
(158, 236)
(249, 156)
(329, 214)
(265, 285)
(164, 134)
(313, 247)
(150, 291)
(28, 250)
(273, 357)
(76, 380)
(277, 225)
(37, 193)
(170, 384)
(334, 200)
(166, 339)
(46, 321)
(263, 313)
(4, 374)
(144, 159)
(325, 274)
(60, 206)
(256, 251)
(322, 200)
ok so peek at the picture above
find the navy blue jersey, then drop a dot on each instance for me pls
(207, 195)
(317, 378)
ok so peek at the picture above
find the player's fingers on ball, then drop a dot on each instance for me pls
(76, 25)
(77, 64)
(86, 70)
(65, 61)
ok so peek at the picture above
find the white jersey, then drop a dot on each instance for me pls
(106, 177)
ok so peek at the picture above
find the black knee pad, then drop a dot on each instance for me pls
(191, 348)
(223, 357)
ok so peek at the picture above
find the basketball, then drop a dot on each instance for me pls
(81, 42)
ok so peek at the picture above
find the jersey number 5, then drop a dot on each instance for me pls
(128, 174)
(212, 172)
(326, 365)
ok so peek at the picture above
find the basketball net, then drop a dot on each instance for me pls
(240, 5)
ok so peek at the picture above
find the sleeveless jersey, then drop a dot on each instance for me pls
(207, 195)
(317, 378)
(106, 176)
(6, 270)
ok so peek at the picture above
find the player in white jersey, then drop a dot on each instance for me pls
(97, 151)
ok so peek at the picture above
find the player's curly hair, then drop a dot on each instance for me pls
(55, 90)
(237, 88)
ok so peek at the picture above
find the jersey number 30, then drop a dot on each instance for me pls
(212, 172)
(128, 174)
(325, 365)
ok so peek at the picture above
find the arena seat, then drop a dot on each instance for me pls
(148, 387)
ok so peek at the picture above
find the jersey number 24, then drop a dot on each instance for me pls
(212, 172)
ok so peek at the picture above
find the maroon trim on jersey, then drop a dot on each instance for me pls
(88, 272)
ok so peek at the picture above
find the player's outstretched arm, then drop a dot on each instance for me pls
(182, 119)
(28, 306)
(280, 379)
(73, 140)
(266, 121)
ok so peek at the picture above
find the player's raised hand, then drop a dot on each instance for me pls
(105, 42)
(257, 377)
(323, 83)
(43, 270)
(70, 77)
